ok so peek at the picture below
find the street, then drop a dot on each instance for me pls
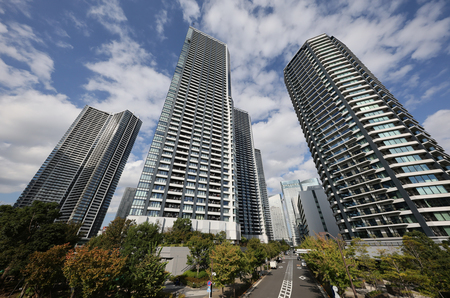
(290, 279)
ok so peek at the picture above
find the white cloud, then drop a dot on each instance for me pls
(17, 42)
(435, 123)
(110, 15)
(129, 80)
(161, 20)
(16, 6)
(31, 124)
(432, 90)
(191, 10)
(79, 24)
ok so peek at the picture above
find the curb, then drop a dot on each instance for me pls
(250, 290)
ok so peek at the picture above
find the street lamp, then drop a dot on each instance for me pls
(343, 260)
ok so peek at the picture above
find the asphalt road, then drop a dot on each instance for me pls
(290, 279)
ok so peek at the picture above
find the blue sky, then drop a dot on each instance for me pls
(57, 56)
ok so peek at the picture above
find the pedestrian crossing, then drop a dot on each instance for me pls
(286, 287)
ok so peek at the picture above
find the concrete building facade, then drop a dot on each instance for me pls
(82, 172)
(383, 174)
(190, 169)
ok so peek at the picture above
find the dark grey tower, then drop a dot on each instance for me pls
(125, 203)
(82, 172)
(264, 196)
(382, 172)
(251, 216)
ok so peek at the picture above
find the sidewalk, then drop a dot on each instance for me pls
(202, 292)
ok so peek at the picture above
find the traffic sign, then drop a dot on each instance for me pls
(209, 283)
(209, 289)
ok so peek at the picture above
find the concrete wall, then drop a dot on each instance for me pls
(177, 258)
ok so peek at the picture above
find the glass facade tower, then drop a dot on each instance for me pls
(382, 172)
(82, 172)
(189, 171)
(264, 196)
(251, 214)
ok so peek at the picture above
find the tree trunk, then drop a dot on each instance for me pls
(5, 273)
(23, 290)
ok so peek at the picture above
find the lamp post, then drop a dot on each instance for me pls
(343, 260)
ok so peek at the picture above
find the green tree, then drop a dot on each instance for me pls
(199, 247)
(149, 275)
(114, 236)
(45, 269)
(228, 262)
(92, 270)
(325, 260)
(396, 268)
(29, 229)
(430, 260)
(256, 255)
(139, 248)
(368, 268)
(180, 232)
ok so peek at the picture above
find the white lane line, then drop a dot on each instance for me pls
(286, 287)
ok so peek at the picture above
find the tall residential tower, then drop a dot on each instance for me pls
(82, 172)
(382, 172)
(189, 171)
(251, 214)
(264, 197)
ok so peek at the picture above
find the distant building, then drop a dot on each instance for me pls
(290, 191)
(82, 172)
(315, 214)
(280, 230)
(264, 197)
(125, 203)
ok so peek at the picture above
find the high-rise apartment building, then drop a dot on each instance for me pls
(290, 191)
(264, 196)
(189, 171)
(125, 202)
(280, 230)
(82, 172)
(382, 172)
(251, 214)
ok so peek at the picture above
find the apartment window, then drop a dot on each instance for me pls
(389, 134)
(156, 195)
(154, 204)
(415, 168)
(159, 187)
(429, 190)
(442, 215)
(408, 158)
(379, 119)
(153, 213)
(394, 141)
(401, 149)
(423, 178)
(189, 199)
(383, 126)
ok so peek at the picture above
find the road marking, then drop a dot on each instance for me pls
(302, 277)
(280, 267)
(286, 287)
